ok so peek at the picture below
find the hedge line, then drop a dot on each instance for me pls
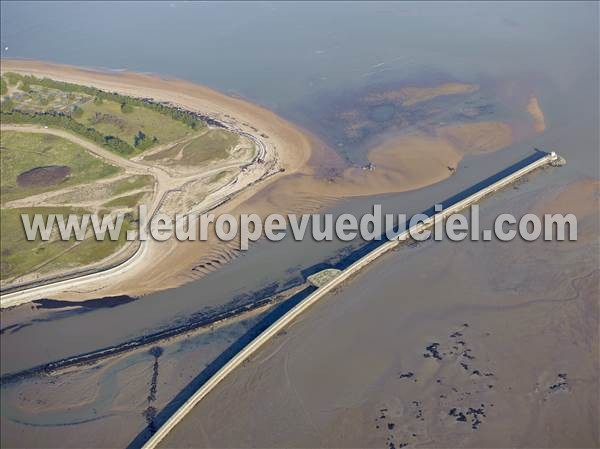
(64, 121)
(180, 115)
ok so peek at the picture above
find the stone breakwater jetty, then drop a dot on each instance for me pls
(489, 186)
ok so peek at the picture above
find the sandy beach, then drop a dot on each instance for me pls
(478, 339)
(291, 146)
(291, 143)
(405, 162)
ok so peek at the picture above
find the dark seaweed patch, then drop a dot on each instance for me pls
(432, 351)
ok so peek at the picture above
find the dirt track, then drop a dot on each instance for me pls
(149, 252)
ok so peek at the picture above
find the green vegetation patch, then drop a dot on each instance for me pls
(12, 78)
(140, 127)
(57, 120)
(20, 256)
(125, 125)
(186, 117)
(128, 201)
(39, 99)
(134, 182)
(213, 145)
(323, 277)
(104, 191)
(222, 176)
(42, 157)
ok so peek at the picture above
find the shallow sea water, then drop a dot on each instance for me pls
(308, 62)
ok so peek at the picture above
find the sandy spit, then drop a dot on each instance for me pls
(403, 163)
(292, 144)
(535, 110)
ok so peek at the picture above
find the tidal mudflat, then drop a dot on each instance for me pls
(439, 344)
(74, 406)
(442, 344)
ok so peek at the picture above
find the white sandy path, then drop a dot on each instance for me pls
(150, 252)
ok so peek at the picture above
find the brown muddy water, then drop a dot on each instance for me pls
(380, 363)
(438, 345)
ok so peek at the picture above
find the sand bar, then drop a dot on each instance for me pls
(405, 162)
